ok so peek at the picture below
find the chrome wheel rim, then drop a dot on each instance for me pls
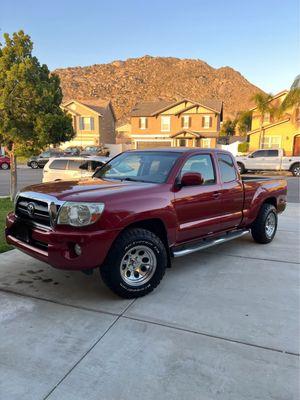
(270, 225)
(4, 166)
(297, 171)
(138, 265)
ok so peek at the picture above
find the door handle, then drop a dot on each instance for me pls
(216, 195)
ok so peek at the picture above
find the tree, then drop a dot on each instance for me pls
(30, 98)
(244, 119)
(263, 106)
(228, 127)
(291, 104)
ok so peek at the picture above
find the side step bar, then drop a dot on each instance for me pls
(205, 243)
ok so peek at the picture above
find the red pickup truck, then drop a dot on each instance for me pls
(141, 209)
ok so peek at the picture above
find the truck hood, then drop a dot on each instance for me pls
(89, 189)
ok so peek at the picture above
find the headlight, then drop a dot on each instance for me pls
(79, 214)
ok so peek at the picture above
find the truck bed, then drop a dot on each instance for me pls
(256, 178)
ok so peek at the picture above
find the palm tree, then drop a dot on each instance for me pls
(292, 104)
(263, 106)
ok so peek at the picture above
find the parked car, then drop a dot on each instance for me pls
(72, 151)
(141, 209)
(95, 151)
(68, 168)
(4, 162)
(41, 160)
(269, 160)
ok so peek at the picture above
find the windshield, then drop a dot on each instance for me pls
(145, 166)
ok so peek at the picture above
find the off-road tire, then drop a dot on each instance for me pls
(110, 270)
(258, 229)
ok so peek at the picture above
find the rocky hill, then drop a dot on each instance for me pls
(150, 78)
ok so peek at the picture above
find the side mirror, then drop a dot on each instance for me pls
(191, 179)
(250, 156)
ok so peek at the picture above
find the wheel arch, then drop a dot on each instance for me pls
(154, 225)
(270, 200)
(294, 163)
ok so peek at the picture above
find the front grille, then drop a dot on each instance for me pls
(33, 210)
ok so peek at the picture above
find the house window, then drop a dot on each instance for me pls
(143, 123)
(86, 123)
(186, 121)
(206, 121)
(182, 142)
(271, 142)
(165, 123)
(205, 143)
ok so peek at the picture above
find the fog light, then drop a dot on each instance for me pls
(77, 249)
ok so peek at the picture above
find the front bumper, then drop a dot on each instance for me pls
(56, 247)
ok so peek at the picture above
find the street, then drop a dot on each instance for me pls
(223, 324)
(28, 176)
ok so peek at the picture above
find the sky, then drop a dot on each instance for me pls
(258, 38)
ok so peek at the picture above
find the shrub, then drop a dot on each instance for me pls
(243, 147)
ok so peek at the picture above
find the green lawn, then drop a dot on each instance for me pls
(5, 206)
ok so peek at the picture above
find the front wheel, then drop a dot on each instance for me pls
(295, 170)
(4, 165)
(264, 227)
(135, 264)
(34, 165)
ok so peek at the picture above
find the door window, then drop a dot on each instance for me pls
(202, 164)
(75, 165)
(58, 164)
(271, 153)
(227, 168)
(259, 153)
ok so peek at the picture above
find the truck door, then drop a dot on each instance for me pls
(232, 193)
(256, 160)
(198, 208)
(271, 160)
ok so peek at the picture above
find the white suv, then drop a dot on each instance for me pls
(71, 168)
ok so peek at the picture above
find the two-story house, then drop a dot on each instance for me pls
(93, 121)
(185, 123)
(276, 132)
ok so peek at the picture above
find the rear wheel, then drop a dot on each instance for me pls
(4, 165)
(295, 169)
(264, 227)
(135, 264)
(34, 165)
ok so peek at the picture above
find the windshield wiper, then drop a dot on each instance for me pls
(128, 178)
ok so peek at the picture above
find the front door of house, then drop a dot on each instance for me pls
(296, 151)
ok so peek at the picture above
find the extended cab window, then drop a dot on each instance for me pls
(58, 164)
(202, 164)
(227, 168)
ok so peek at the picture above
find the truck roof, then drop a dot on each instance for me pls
(179, 150)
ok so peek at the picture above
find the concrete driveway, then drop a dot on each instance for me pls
(224, 324)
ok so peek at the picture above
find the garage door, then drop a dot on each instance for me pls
(152, 145)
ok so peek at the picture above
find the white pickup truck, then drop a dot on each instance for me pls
(269, 160)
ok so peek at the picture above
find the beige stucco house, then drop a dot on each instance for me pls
(185, 123)
(93, 121)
